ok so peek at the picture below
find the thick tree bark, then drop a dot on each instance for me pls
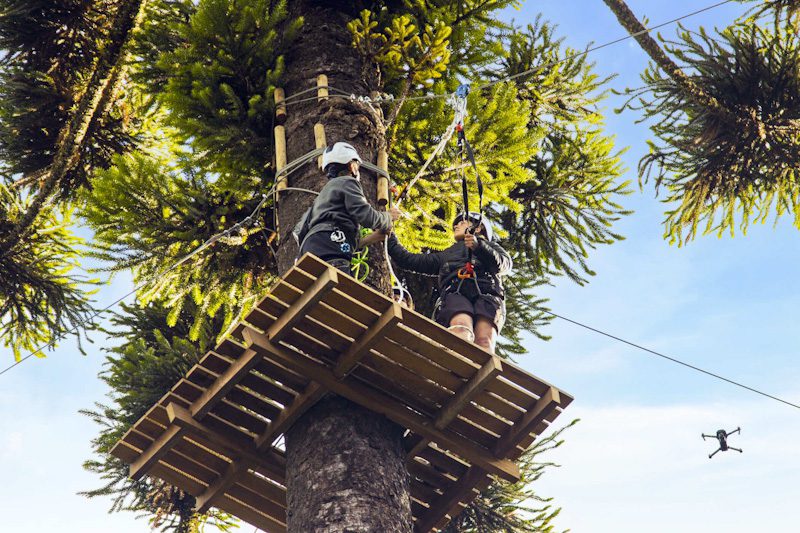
(345, 464)
(348, 471)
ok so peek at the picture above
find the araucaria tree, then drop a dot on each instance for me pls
(725, 111)
(178, 147)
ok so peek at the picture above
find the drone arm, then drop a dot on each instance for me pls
(715, 453)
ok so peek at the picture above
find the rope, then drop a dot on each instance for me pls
(281, 175)
(209, 242)
(653, 352)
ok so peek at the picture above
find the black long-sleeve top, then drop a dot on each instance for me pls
(490, 260)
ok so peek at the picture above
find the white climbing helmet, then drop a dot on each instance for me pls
(341, 153)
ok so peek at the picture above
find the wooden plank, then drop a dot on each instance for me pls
(518, 431)
(284, 324)
(382, 404)
(224, 383)
(256, 501)
(229, 349)
(350, 306)
(444, 462)
(156, 451)
(206, 500)
(442, 506)
(361, 292)
(372, 336)
(125, 452)
(464, 395)
(269, 460)
(177, 479)
(252, 516)
(289, 415)
(265, 488)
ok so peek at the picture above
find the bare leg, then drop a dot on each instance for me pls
(485, 334)
(461, 325)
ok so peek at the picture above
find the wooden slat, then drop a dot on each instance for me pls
(382, 404)
(546, 403)
(299, 307)
(373, 335)
(269, 460)
(252, 516)
(289, 415)
(443, 505)
(156, 451)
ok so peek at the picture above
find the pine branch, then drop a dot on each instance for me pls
(71, 138)
(642, 35)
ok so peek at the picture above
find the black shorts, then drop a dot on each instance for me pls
(487, 306)
(332, 247)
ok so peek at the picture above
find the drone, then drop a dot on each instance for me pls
(722, 437)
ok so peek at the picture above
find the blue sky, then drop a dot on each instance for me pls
(636, 461)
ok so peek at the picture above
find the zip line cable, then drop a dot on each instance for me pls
(668, 358)
(604, 45)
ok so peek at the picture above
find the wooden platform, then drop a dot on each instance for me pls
(469, 415)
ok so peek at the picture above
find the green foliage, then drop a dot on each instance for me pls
(51, 47)
(732, 165)
(149, 211)
(221, 81)
(402, 49)
(498, 131)
(568, 203)
(41, 296)
(152, 357)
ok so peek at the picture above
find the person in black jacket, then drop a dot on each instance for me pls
(472, 307)
(330, 229)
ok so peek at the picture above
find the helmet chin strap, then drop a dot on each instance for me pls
(355, 173)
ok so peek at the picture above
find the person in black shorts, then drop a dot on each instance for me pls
(330, 228)
(472, 307)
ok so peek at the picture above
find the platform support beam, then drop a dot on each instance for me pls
(302, 403)
(206, 500)
(297, 311)
(383, 404)
(461, 398)
(156, 451)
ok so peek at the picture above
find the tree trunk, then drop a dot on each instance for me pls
(345, 466)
